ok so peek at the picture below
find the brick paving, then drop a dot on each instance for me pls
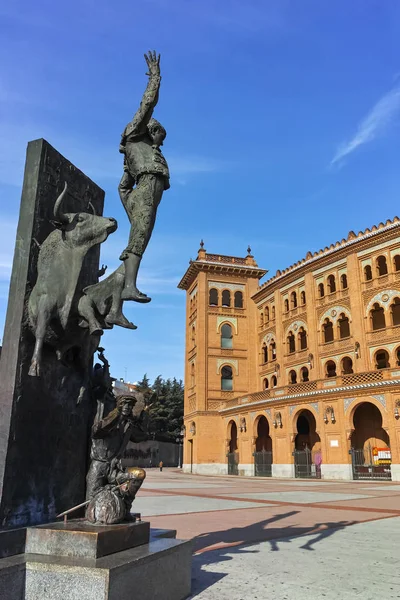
(241, 526)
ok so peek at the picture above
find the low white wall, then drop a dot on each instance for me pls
(282, 470)
(246, 469)
(395, 472)
(207, 469)
(336, 471)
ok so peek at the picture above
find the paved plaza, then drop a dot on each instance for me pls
(284, 539)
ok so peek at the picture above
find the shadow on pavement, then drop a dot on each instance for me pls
(219, 546)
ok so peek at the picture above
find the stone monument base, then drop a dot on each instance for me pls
(80, 539)
(159, 569)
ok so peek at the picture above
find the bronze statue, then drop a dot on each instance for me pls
(55, 296)
(144, 180)
(110, 437)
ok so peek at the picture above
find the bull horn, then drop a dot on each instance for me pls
(90, 205)
(58, 215)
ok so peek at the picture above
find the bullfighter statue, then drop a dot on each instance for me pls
(144, 180)
(110, 487)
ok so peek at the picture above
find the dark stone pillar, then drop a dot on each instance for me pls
(43, 431)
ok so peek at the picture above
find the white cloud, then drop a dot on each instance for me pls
(373, 125)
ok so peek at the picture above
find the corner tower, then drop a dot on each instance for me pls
(221, 349)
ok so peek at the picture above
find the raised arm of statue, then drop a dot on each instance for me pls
(102, 428)
(149, 100)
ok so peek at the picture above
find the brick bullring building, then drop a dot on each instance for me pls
(299, 376)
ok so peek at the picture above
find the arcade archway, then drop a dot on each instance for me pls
(370, 444)
(263, 449)
(233, 454)
(307, 447)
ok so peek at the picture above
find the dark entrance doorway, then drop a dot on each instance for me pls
(263, 450)
(233, 454)
(307, 452)
(370, 445)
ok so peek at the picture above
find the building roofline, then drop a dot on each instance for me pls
(228, 268)
(310, 258)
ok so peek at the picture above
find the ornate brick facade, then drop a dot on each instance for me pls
(314, 351)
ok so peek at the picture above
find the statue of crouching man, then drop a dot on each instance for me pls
(111, 488)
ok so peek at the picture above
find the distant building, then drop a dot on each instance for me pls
(123, 387)
(299, 376)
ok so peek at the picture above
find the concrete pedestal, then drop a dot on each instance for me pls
(160, 570)
(80, 539)
(156, 570)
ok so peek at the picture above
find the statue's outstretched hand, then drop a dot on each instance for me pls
(153, 63)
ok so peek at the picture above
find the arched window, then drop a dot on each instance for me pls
(262, 320)
(193, 335)
(304, 374)
(331, 284)
(330, 368)
(273, 312)
(293, 300)
(396, 262)
(292, 376)
(274, 381)
(328, 331)
(321, 290)
(377, 315)
(343, 281)
(395, 311)
(266, 384)
(367, 273)
(382, 359)
(213, 301)
(238, 300)
(302, 298)
(265, 353)
(226, 336)
(192, 374)
(266, 313)
(347, 366)
(381, 265)
(226, 379)
(226, 298)
(286, 305)
(344, 326)
(302, 338)
(398, 356)
(291, 342)
(272, 348)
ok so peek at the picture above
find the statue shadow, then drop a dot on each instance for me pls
(239, 540)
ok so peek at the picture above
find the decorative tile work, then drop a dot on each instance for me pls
(227, 361)
(347, 402)
(295, 326)
(315, 406)
(226, 286)
(292, 409)
(267, 339)
(381, 398)
(328, 384)
(268, 411)
(231, 320)
(343, 388)
(334, 312)
(383, 298)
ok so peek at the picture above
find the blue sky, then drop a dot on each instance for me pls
(282, 119)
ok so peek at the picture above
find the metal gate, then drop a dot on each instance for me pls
(368, 465)
(307, 464)
(233, 463)
(263, 464)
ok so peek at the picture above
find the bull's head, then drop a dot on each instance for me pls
(82, 228)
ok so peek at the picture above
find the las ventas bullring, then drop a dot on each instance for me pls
(298, 376)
